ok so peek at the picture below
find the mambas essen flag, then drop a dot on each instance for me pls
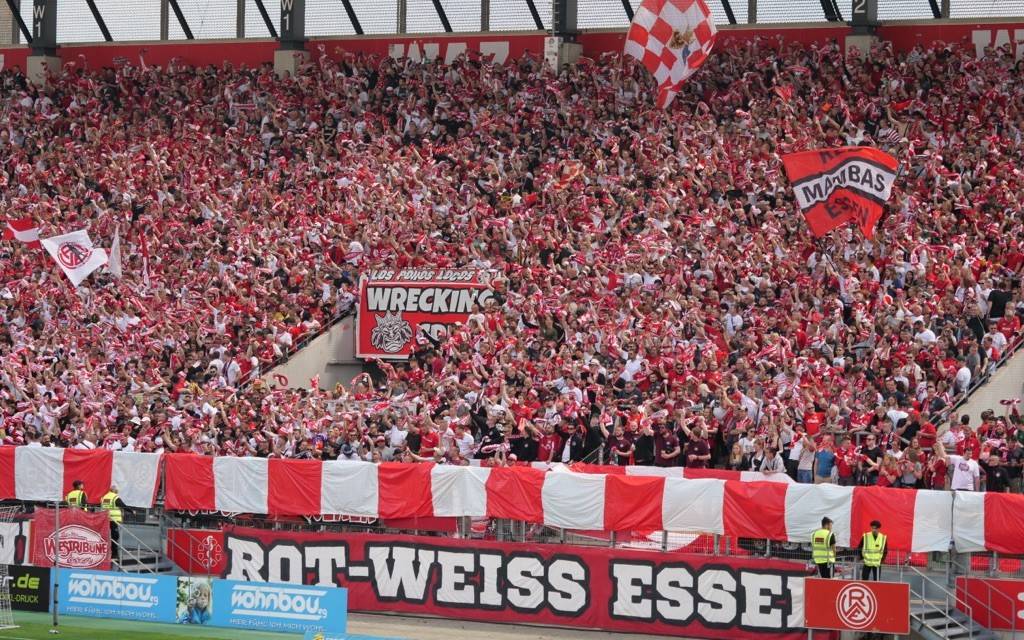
(395, 304)
(672, 38)
(836, 186)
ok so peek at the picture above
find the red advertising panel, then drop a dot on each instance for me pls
(577, 587)
(396, 305)
(994, 604)
(849, 605)
(84, 539)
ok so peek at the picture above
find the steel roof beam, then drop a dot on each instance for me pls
(16, 13)
(354, 19)
(728, 11)
(536, 15)
(266, 19)
(181, 19)
(100, 22)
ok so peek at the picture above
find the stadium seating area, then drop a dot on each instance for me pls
(657, 289)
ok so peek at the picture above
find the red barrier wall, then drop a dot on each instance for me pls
(975, 35)
(513, 45)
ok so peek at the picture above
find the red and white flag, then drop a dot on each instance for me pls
(75, 254)
(23, 230)
(836, 186)
(114, 265)
(672, 38)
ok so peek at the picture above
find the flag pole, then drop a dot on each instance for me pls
(56, 566)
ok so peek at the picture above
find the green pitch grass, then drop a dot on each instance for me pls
(36, 626)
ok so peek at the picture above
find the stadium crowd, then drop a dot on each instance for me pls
(658, 298)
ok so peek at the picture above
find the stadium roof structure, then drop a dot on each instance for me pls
(82, 21)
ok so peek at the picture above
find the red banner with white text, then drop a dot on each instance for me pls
(397, 306)
(577, 587)
(83, 541)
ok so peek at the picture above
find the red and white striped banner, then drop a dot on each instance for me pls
(915, 520)
(584, 497)
(988, 522)
(45, 474)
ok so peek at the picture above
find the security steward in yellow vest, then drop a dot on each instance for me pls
(872, 550)
(112, 504)
(76, 497)
(823, 548)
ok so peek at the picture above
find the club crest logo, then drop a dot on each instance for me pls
(391, 333)
(72, 255)
(856, 606)
(680, 40)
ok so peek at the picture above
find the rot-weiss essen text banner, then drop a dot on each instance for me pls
(397, 305)
(576, 587)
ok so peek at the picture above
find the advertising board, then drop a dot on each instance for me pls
(284, 608)
(29, 587)
(106, 594)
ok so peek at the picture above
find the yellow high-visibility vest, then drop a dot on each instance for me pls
(873, 549)
(76, 498)
(109, 503)
(821, 551)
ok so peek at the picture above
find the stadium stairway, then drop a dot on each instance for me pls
(1006, 382)
(933, 621)
(142, 550)
(331, 355)
(934, 610)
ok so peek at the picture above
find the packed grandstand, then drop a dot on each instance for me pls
(656, 299)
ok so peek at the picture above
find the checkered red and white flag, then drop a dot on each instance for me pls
(672, 38)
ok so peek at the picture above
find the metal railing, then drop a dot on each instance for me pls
(958, 569)
(950, 602)
(136, 551)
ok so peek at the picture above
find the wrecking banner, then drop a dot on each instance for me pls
(396, 305)
(576, 587)
(84, 539)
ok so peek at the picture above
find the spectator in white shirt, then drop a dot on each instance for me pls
(923, 333)
(963, 379)
(965, 469)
